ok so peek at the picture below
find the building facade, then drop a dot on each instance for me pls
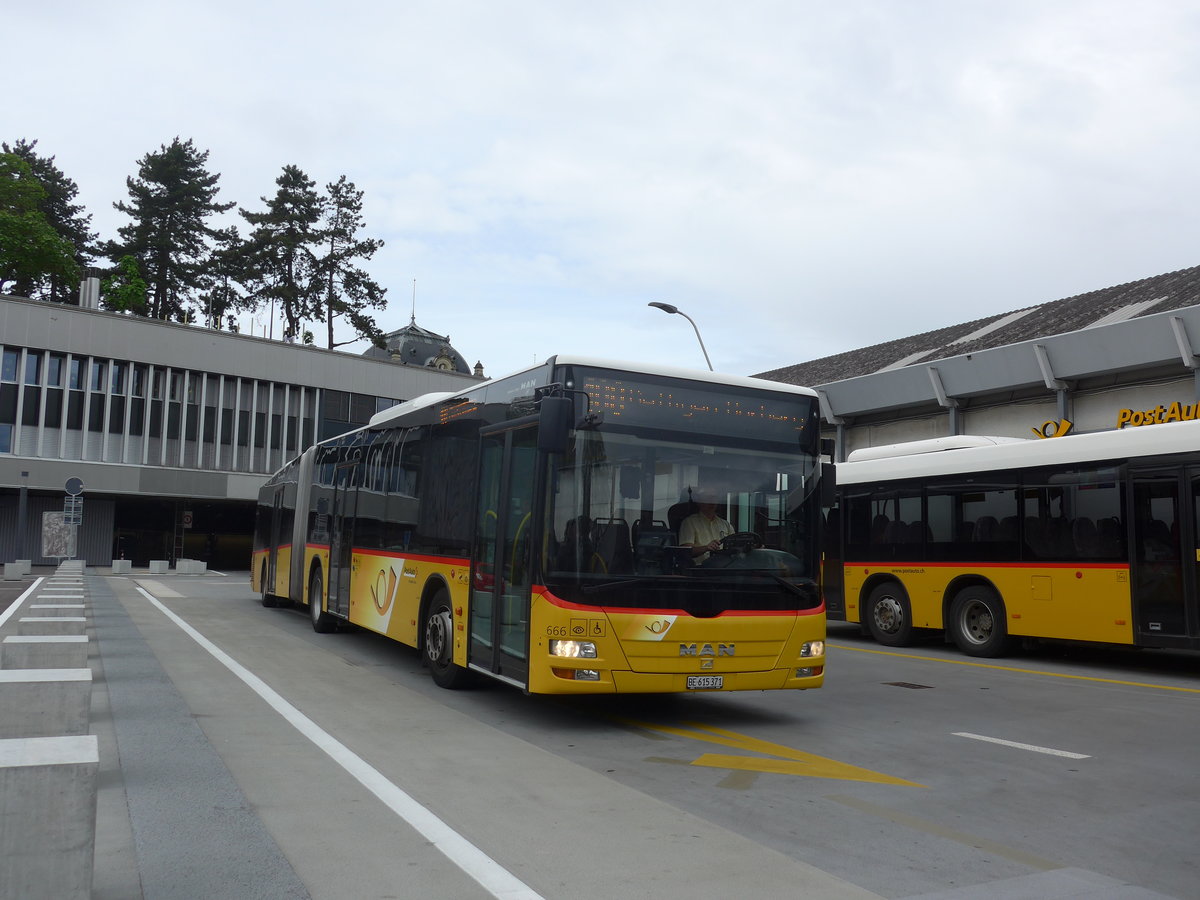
(1123, 356)
(170, 428)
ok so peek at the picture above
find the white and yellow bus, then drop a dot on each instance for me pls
(528, 529)
(1090, 537)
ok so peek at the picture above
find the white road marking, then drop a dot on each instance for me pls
(1036, 749)
(493, 877)
(16, 604)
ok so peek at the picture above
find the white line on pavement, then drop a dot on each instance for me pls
(16, 604)
(494, 878)
(1036, 749)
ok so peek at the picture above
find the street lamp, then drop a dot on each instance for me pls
(676, 311)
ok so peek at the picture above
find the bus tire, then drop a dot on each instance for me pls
(322, 622)
(889, 615)
(437, 647)
(268, 599)
(978, 622)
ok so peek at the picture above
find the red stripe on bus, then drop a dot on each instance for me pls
(396, 554)
(988, 565)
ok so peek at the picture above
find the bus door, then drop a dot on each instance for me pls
(268, 587)
(341, 536)
(1164, 577)
(501, 576)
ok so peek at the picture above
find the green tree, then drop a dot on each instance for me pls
(281, 264)
(65, 216)
(171, 200)
(224, 290)
(347, 291)
(30, 249)
(125, 289)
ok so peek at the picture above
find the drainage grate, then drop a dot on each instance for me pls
(909, 685)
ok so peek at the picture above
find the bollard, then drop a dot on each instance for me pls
(48, 817)
(44, 651)
(122, 566)
(52, 625)
(44, 702)
(159, 566)
(55, 610)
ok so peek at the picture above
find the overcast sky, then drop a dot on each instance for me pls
(802, 178)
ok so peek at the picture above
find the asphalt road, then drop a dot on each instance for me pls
(277, 762)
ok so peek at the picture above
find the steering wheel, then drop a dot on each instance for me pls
(741, 540)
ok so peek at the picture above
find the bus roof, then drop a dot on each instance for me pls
(932, 445)
(650, 368)
(994, 455)
(569, 359)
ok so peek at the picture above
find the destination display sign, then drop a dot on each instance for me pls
(716, 409)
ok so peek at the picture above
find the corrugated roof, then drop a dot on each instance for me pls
(1159, 293)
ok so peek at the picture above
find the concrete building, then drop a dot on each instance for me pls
(171, 428)
(1110, 358)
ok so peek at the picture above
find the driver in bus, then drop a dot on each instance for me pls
(703, 530)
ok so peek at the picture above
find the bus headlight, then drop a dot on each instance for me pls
(573, 649)
(812, 648)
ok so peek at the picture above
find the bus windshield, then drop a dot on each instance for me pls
(616, 510)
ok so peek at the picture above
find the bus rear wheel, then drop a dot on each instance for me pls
(438, 644)
(977, 622)
(268, 599)
(322, 622)
(889, 616)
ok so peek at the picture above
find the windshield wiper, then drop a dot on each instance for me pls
(794, 588)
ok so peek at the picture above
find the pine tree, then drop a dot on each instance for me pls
(347, 291)
(170, 201)
(224, 281)
(63, 215)
(31, 251)
(279, 253)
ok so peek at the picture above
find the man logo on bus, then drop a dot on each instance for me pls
(706, 650)
(1053, 428)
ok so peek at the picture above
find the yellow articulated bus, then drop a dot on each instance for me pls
(529, 529)
(1090, 537)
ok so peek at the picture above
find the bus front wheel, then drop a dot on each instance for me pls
(438, 646)
(322, 622)
(889, 616)
(977, 622)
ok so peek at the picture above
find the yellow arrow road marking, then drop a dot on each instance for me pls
(794, 762)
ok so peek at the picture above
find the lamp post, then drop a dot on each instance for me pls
(676, 311)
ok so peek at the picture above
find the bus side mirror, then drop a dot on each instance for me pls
(555, 415)
(828, 485)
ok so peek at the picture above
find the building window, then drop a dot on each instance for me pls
(97, 382)
(75, 410)
(8, 368)
(31, 407)
(33, 367)
(54, 368)
(96, 414)
(54, 400)
(76, 374)
(118, 378)
(137, 412)
(139, 380)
